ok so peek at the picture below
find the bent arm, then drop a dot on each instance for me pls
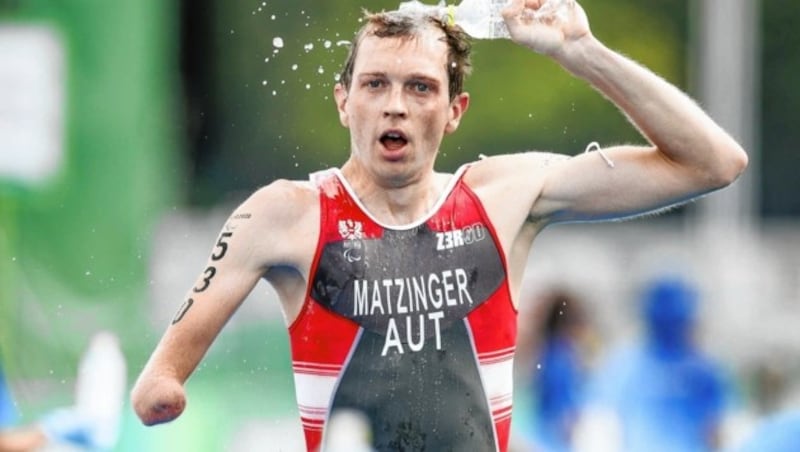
(688, 153)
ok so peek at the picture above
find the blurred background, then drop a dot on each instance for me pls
(130, 129)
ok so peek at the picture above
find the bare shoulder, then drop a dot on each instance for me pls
(509, 184)
(282, 200)
(512, 169)
(278, 220)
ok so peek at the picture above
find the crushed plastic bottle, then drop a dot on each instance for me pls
(483, 19)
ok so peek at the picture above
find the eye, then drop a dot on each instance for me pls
(420, 87)
(375, 83)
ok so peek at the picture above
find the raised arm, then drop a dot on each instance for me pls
(688, 154)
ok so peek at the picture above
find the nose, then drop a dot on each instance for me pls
(395, 104)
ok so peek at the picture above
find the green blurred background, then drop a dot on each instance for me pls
(188, 106)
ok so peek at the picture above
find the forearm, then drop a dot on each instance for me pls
(158, 395)
(669, 119)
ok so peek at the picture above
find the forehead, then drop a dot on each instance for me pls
(425, 49)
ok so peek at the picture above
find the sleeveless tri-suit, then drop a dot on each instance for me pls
(412, 326)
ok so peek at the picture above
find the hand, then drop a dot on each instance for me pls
(157, 401)
(534, 24)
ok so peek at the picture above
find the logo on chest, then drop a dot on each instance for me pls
(459, 237)
(352, 232)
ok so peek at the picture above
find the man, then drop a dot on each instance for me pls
(398, 282)
(661, 393)
(562, 356)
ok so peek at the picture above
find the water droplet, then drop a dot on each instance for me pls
(277, 41)
(320, 70)
(294, 67)
(327, 44)
(263, 83)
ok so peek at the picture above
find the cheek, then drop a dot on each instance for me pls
(359, 110)
(436, 122)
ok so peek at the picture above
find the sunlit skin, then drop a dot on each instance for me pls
(397, 111)
(399, 89)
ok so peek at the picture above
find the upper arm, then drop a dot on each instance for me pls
(260, 233)
(526, 191)
(642, 179)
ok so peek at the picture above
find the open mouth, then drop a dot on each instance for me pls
(393, 140)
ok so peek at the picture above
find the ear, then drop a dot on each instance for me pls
(458, 106)
(340, 96)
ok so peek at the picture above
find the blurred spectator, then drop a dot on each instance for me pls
(92, 424)
(560, 372)
(13, 438)
(777, 428)
(777, 433)
(663, 394)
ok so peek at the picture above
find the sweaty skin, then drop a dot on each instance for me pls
(397, 111)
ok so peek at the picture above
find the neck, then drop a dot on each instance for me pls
(395, 202)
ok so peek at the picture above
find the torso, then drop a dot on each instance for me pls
(412, 325)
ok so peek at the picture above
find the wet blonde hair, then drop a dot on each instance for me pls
(397, 24)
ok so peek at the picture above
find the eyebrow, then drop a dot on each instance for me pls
(371, 74)
(413, 76)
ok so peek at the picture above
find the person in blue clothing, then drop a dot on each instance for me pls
(561, 371)
(12, 437)
(777, 433)
(665, 393)
(77, 426)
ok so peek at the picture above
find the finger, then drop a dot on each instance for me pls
(513, 9)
